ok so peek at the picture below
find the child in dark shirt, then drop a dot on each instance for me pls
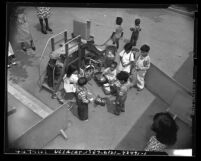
(135, 32)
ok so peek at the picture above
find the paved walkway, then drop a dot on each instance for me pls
(169, 34)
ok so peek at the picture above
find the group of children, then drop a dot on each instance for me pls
(116, 79)
(118, 33)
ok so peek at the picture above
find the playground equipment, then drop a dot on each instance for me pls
(54, 63)
(67, 54)
(62, 55)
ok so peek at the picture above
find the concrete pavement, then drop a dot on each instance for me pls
(170, 36)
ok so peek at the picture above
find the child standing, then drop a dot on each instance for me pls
(82, 99)
(11, 56)
(118, 33)
(135, 32)
(24, 34)
(142, 64)
(122, 90)
(126, 58)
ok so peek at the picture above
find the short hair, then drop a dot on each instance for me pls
(114, 63)
(122, 76)
(145, 48)
(128, 47)
(82, 81)
(137, 21)
(165, 128)
(119, 20)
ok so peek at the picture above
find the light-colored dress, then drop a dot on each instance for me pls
(118, 33)
(141, 67)
(110, 75)
(126, 58)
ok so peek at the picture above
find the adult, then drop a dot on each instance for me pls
(165, 129)
(43, 13)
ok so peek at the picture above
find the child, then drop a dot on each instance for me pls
(122, 90)
(135, 32)
(126, 58)
(165, 128)
(110, 73)
(110, 53)
(24, 34)
(118, 33)
(82, 98)
(142, 64)
(43, 13)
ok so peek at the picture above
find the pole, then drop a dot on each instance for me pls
(52, 44)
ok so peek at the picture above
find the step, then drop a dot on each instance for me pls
(28, 100)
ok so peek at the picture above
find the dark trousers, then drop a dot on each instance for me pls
(133, 42)
(120, 104)
(82, 110)
(134, 39)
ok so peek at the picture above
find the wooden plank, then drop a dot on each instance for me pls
(43, 132)
(28, 100)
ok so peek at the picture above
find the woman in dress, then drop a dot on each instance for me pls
(165, 128)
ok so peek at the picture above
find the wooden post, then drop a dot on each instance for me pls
(79, 54)
(52, 44)
(63, 70)
(65, 36)
(88, 29)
